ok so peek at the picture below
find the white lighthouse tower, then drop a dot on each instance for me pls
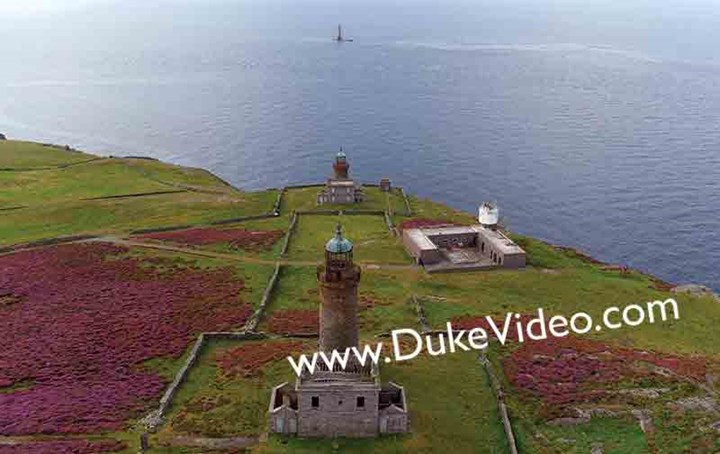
(488, 215)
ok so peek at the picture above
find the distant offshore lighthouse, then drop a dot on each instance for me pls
(340, 38)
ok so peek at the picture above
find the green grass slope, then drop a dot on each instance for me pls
(30, 155)
(451, 404)
(47, 191)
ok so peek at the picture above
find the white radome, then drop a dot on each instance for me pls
(488, 214)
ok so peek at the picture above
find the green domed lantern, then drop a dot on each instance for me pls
(338, 251)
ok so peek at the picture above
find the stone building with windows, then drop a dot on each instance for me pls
(340, 188)
(343, 402)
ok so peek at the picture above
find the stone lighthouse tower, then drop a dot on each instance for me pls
(338, 400)
(338, 280)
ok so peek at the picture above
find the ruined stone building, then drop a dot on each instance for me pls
(349, 402)
(452, 247)
(340, 188)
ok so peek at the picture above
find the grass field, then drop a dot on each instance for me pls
(123, 215)
(450, 401)
(30, 155)
(52, 201)
(255, 276)
(459, 418)
(275, 225)
(371, 238)
(74, 183)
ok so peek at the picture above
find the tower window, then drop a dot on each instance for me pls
(361, 402)
(315, 401)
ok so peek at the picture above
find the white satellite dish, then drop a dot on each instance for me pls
(488, 214)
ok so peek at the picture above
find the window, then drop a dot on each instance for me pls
(361, 402)
(315, 401)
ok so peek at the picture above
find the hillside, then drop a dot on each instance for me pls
(112, 268)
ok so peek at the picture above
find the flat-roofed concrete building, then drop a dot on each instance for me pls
(343, 402)
(499, 248)
(421, 247)
(463, 247)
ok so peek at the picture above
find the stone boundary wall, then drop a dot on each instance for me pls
(342, 212)
(318, 212)
(278, 201)
(500, 398)
(289, 234)
(137, 194)
(153, 419)
(170, 392)
(408, 210)
(297, 335)
(169, 228)
(304, 186)
(390, 224)
(233, 335)
(61, 166)
(190, 226)
(46, 242)
(420, 312)
(18, 207)
(255, 318)
(244, 218)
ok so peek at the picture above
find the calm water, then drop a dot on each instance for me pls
(597, 127)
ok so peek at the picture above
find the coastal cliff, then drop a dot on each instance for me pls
(167, 278)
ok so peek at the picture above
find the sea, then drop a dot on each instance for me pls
(592, 124)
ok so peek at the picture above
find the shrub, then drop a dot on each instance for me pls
(64, 447)
(260, 240)
(84, 326)
(424, 222)
(296, 321)
(571, 370)
(248, 360)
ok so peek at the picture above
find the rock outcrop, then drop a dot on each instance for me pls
(696, 289)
